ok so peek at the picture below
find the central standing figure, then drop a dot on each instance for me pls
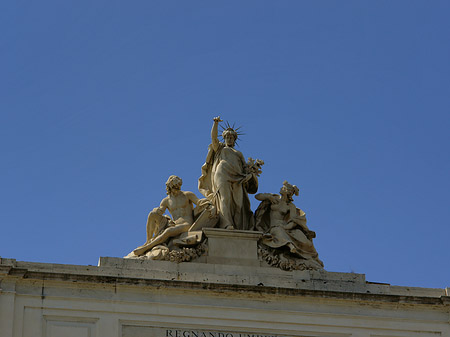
(226, 180)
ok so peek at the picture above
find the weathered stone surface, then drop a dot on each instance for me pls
(232, 247)
(227, 179)
(146, 298)
(283, 240)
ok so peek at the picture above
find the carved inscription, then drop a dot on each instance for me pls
(200, 333)
(148, 331)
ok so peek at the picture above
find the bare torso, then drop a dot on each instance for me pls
(180, 206)
(278, 212)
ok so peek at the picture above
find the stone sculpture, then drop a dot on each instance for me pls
(160, 227)
(226, 179)
(278, 227)
(285, 230)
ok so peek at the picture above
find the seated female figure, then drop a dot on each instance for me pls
(284, 225)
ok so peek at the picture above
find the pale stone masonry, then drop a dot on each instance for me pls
(127, 297)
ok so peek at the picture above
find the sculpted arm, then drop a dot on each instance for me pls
(192, 197)
(215, 133)
(244, 165)
(298, 221)
(163, 206)
(292, 215)
(261, 196)
(200, 203)
(155, 220)
(273, 198)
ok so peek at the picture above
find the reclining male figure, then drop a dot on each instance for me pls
(180, 205)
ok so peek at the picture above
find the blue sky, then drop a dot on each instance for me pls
(100, 101)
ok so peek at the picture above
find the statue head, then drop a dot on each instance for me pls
(230, 136)
(289, 190)
(173, 183)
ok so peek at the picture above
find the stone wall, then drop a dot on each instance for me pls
(138, 298)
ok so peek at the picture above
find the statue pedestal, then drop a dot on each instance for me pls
(232, 246)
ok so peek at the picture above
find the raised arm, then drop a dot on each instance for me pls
(215, 133)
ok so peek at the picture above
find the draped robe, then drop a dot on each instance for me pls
(222, 183)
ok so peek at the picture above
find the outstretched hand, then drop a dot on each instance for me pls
(217, 119)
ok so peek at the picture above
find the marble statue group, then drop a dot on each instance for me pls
(226, 182)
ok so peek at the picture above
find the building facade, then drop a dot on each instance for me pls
(137, 298)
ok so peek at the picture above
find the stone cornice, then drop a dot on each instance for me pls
(134, 277)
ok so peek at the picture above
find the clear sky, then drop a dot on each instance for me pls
(100, 101)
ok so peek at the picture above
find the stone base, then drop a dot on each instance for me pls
(232, 247)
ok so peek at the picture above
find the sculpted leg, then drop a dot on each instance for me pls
(152, 224)
(169, 233)
(225, 212)
(156, 221)
(163, 237)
